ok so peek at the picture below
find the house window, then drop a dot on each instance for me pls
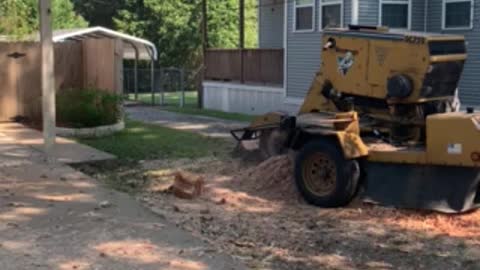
(304, 15)
(395, 13)
(457, 14)
(331, 13)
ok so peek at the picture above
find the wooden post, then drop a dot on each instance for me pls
(242, 38)
(204, 53)
(48, 78)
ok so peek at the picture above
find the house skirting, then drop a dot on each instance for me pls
(240, 98)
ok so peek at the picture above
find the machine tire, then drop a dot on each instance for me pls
(272, 143)
(339, 177)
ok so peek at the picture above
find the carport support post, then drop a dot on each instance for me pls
(48, 78)
(135, 74)
(153, 80)
(182, 87)
(161, 87)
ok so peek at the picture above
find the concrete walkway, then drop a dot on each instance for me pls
(207, 126)
(53, 217)
(65, 151)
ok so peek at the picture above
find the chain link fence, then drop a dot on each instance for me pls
(172, 86)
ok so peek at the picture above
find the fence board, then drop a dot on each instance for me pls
(20, 77)
(7, 83)
(68, 64)
(261, 66)
(28, 77)
(99, 63)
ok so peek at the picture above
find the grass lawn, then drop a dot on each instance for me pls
(170, 98)
(210, 113)
(141, 141)
(172, 101)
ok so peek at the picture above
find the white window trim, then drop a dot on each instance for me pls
(331, 3)
(295, 6)
(444, 15)
(398, 2)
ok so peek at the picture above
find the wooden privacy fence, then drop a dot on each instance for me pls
(260, 66)
(90, 63)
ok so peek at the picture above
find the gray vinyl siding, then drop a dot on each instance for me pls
(470, 83)
(418, 15)
(303, 56)
(347, 12)
(434, 19)
(368, 12)
(271, 24)
(304, 52)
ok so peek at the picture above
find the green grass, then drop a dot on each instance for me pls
(172, 104)
(170, 98)
(211, 113)
(141, 141)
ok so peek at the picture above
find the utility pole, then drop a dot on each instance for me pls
(205, 25)
(242, 38)
(204, 51)
(48, 78)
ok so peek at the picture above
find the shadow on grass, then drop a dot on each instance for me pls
(140, 141)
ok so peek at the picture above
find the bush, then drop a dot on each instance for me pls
(83, 108)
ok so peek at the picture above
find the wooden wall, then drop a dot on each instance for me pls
(93, 63)
(7, 86)
(99, 62)
(260, 66)
(19, 79)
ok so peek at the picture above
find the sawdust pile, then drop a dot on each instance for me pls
(273, 179)
(460, 226)
(255, 214)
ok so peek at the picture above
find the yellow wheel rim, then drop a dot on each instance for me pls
(319, 174)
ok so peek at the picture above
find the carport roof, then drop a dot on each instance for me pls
(147, 50)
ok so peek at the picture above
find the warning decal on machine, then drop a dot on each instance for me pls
(454, 149)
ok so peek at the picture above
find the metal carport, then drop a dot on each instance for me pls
(134, 48)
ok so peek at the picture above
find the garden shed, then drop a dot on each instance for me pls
(126, 47)
(90, 57)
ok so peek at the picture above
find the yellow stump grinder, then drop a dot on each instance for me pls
(382, 120)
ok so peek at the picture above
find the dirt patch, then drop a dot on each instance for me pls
(256, 214)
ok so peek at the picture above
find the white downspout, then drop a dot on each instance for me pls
(355, 12)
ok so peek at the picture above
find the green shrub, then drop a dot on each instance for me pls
(82, 108)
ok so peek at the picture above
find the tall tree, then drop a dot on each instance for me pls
(99, 12)
(223, 23)
(16, 18)
(19, 18)
(174, 26)
(65, 17)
